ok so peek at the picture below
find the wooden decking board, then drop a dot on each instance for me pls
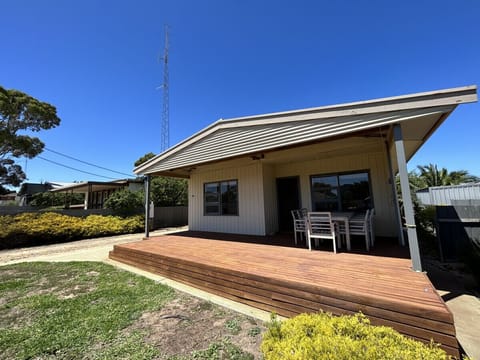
(309, 299)
(420, 312)
(332, 292)
(290, 281)
(354, 272)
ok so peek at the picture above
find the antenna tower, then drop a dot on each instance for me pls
(165, 110)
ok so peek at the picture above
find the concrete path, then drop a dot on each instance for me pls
(459, 291)
(452, 285)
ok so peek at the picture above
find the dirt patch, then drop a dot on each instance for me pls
(187, 324)
(9, 317)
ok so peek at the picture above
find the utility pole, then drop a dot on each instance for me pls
(165, 143)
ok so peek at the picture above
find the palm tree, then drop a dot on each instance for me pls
(432, 176)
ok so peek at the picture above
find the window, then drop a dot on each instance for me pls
(221, 198)
(341, 192)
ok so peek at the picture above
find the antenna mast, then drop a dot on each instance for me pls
(165, 110)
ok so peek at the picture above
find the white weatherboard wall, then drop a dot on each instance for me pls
(373, 161)
(258, 212)
(251, 217)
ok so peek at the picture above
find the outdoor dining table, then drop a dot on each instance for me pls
(344, 216)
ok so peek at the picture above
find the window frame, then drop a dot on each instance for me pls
(219, 195)
(339, 197)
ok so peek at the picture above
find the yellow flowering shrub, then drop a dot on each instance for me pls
(41, 228)
(325, 336)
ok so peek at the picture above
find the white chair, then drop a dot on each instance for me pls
(298, 224)
(320, 226)
(358, 225)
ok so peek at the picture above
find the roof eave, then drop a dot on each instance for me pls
(452, 96)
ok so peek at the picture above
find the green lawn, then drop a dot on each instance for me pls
(82, 311)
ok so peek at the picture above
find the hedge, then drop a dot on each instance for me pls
(325, 336)
(29, 229)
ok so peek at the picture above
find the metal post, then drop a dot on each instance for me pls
(407, 199)
(395, 197)
(90, 197)
(147, 205)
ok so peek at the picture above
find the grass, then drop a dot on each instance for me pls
(217, 351)
(233, 325)
(74, 310)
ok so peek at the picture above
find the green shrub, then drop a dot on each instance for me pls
(50, 199)
(30, 229)
(324, 336)
(125, 202)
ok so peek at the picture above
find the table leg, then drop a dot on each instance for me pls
(347, 234)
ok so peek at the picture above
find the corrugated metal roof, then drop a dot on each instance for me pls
(241, 136)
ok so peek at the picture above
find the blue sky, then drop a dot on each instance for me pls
(98, 63)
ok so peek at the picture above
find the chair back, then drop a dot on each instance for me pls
(320, 224)
(296, 215)
(298, 221)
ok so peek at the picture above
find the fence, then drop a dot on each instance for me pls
(448, 195)
(170, 216)
(458, 230)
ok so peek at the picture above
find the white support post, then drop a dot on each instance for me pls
(147, 205)
(396, 206)
(407, 199)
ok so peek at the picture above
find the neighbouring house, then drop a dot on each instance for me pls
(28, 190)
(449, 195)
(97, 192)
(9, 199)
(246, 174)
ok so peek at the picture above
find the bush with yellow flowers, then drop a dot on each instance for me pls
(30, 229)
(325, 336)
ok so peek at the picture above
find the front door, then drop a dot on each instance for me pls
(288, 199)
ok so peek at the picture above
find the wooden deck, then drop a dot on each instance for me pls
(290, 281)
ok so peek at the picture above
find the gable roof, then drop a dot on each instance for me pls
(243, 136)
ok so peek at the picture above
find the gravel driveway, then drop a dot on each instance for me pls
(81, 250)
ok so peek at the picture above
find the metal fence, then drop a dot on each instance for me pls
(170, 216)
(447, 195)
(458, 230)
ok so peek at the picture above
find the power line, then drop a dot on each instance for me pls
(85, 162)
(72, 168)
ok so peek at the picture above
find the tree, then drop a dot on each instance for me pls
(166, 191)
(144, 158)
(21, 112)
(430, 175)
(125, 202)
(47, 199)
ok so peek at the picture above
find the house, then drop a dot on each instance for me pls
(9, 198)
(97, 192)
(246, 174)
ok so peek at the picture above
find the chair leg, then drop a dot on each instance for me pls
(295, 235)
(309, 240)
(367, 241)
(334, 245)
